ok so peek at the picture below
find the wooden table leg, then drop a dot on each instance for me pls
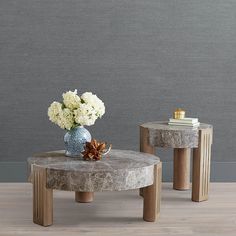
(84, 197)
(145, 146)
(42, 198)
(152, 196)
(201, 166)
(181, 180)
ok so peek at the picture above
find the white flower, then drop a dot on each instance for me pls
(71, 100)
(85, 115)
(65, 119)
(54, 110)
(62, 117)
(75, 111)
(95, 102)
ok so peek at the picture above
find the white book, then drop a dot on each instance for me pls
(184, 120)
(184, 124)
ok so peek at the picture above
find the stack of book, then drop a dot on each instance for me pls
(189, 122)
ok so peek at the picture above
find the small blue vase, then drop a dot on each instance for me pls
(75, 140)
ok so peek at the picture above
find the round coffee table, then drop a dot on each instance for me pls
(119, 170)
(182, 139)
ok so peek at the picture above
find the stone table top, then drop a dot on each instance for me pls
(119, 170)
(163, 135)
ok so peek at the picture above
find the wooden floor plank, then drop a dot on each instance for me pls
(120, 213)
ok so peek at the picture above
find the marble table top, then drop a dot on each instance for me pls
(163, 135)
(119, 170)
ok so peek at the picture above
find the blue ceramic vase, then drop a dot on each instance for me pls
(75, 140)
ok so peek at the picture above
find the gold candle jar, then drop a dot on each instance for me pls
(179, 114)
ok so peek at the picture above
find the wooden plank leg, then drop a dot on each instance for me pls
(84, 197)
(152, 196)
(201, 166)
(181, 180)
(42, 198)
(145, 146)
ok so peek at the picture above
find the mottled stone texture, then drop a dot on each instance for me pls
(163, 135)
(120, 170)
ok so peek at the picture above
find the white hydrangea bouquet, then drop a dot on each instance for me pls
(76, 111)
(72, 114)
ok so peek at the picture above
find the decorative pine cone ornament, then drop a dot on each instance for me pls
(94, 150)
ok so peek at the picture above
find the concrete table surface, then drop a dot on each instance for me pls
(119, 170)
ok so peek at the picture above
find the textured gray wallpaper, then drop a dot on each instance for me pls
(142, 57)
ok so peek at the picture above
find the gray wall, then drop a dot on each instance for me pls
(142, 57)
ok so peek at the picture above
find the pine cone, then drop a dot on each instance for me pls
(93, 150)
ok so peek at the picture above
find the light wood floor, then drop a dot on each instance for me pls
(120, 213)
